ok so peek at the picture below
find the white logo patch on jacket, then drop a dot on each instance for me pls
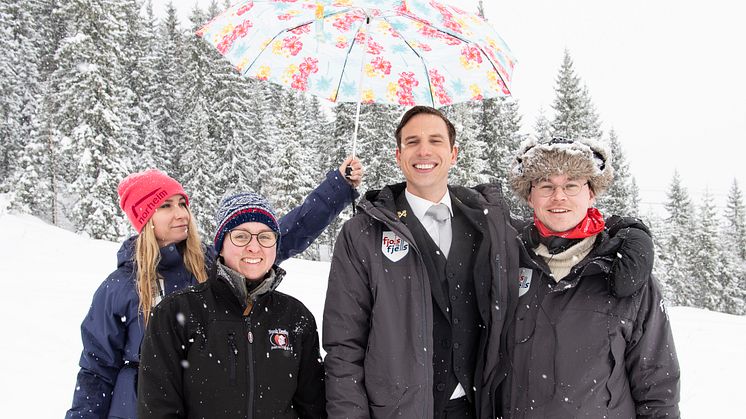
(524, 277)
(393, 246)
(279, 339)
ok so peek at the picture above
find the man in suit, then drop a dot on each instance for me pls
(417, 293)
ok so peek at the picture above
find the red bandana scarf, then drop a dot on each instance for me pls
(593, 223)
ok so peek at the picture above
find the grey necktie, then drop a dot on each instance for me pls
(441, 214)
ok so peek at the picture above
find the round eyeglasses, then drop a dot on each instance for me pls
(547, 189)
(242, 238)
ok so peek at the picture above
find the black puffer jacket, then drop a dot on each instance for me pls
(598, 343)
(203, 358)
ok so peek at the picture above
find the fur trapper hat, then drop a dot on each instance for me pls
(573, 158)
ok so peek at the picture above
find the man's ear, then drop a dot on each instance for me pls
(592, 202)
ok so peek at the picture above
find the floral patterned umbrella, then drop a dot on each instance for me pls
(403, 52)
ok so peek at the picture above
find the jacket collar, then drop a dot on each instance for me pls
(238, 284)
(170, 257)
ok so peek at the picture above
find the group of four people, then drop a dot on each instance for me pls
(439, 304)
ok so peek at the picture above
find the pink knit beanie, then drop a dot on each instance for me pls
(141, 193)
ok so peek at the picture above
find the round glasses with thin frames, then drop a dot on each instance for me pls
(547, 189)
(242, 238)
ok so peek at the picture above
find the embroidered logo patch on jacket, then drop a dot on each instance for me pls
(279, 339)
(524, 276)
(393, 246)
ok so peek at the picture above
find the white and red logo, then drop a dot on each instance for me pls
(279, 339)
(524, 276)
(393, 246)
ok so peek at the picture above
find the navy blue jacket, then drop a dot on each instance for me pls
(113, 329)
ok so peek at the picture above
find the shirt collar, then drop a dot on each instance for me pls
(421, 205)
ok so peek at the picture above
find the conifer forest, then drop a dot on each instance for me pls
(93, 90)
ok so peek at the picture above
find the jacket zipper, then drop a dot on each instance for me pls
(234, 357)
(250, 366)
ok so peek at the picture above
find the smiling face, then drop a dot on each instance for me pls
(171, 221)
(425, 156)
(252, 261)
(558, 211)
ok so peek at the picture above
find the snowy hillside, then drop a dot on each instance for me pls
(48, 276)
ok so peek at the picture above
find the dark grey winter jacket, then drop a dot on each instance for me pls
(378, 317)
(598, 343)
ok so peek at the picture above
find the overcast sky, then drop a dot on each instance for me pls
(669, 76)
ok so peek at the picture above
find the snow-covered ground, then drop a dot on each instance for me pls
(48, 275)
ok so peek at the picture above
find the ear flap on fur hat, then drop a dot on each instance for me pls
(574, 158)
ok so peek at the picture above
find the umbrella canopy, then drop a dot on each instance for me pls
(402, 52)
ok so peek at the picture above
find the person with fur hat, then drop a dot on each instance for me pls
(590, 336)
(165, 256)
(233, 346)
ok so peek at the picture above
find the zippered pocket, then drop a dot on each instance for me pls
(233, 356)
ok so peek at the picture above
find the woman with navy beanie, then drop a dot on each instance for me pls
(233, 346)
(167, 255)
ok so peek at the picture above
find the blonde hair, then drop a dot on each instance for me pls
(148, 255)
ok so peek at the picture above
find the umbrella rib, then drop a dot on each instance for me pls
(286, 30)
(347, 56)
(460, 38)
(427, 72)
(492, 63)
(457, 36)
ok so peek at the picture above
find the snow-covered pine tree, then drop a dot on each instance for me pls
(35, 177)
(51, 28)
(658, 228)
(677, 244)
(316, 136)
(706, 262)
(590, 124)
(542, 127)
(204, 70)
(137, 68)
(199, 164)
(634, 191)
(735, 219)
(314, 126)
(575, 116)
(308, 120)
(500, 124)
(20, 87)
(233, 147)
(87, 104)
(618, 199)
(734, 249)
(377, 144)
(289, 179)
(167, 92)
(263, 98)
(471, 165)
